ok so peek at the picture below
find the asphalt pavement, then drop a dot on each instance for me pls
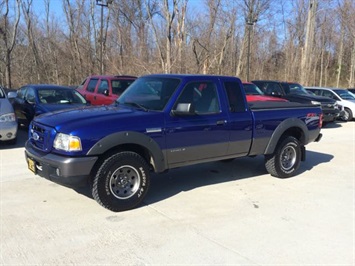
(221, 213)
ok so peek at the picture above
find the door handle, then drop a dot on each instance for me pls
(221, 122)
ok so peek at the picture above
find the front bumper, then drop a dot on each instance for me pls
(71, 171)
(330, 115)
(8, 130)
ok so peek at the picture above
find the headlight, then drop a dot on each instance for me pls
(8, 117)
(67, 142)
(315, 103)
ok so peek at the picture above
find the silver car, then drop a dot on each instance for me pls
(8, 121)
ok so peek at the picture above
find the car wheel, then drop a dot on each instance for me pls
(121, 182)
(286, 159)
(348, 116)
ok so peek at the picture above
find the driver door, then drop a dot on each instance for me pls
(202, 134)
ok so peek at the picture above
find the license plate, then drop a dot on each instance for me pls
(31, 165)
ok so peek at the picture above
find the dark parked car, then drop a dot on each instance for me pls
(104, 89)
(294, 92)
(32, 100)
(254, 94)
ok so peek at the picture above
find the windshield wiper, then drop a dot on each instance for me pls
(137, 105)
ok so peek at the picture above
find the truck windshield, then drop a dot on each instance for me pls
(149, 93)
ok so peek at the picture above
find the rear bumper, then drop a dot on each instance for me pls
(64, 170)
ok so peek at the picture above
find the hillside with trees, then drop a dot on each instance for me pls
(308, 41)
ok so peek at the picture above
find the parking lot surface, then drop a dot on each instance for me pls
(221, 213)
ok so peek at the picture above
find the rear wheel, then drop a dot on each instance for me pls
(121, 182)
(286, 159)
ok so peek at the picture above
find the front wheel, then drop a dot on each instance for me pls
(348, 116)
(121, 182)
(286, 159)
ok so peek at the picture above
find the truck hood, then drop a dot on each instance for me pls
(56, 107)
(89, 118)
(308, 98)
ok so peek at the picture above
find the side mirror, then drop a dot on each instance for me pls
(183, 109)
(106, 92)
(12, 94)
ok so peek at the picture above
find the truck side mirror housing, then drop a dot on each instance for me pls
(183, 109)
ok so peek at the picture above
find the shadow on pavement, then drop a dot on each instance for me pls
(335, 124)
(175, 181)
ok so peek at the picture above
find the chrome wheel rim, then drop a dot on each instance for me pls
(124, 182)
(288, 157)
(346, 115)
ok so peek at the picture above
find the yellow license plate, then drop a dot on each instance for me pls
(31, 165)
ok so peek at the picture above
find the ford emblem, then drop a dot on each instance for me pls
(35, 136)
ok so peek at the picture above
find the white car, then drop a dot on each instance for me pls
(343, 97)
(8, 121)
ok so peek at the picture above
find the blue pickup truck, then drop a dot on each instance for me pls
(162, 122)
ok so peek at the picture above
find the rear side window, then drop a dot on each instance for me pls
(103, 86)
(329, 94)
(273, 89)
(92, 85)
(235, 97)
(119, 86)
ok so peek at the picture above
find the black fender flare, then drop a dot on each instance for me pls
(282, 128)
(130, 137)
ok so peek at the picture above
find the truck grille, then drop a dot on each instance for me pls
(40, 137)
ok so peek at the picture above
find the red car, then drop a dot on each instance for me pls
(254, 94)
(104, 89)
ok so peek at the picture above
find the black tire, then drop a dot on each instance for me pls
(121, 181)
(348, 116)
(286, 159)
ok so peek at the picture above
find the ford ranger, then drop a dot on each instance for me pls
(162, 122)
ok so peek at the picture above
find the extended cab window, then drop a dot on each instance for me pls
(92, 85)
(235, 97)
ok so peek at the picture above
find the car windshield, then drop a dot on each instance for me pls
(60, 96)
(345, 94)
(149, 93)
(296, 88)
(252, 89)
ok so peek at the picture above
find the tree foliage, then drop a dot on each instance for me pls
(309, 41)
